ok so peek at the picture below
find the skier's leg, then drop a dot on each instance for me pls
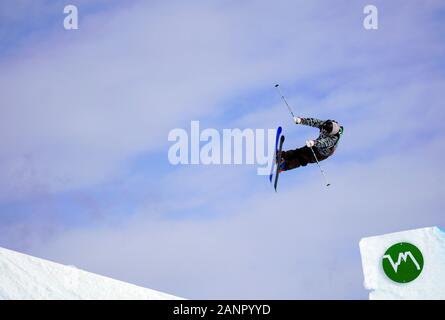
(291, 159)
(306, 156)
(299, 157)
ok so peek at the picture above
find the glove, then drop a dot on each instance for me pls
(298, 120)
(310, 143)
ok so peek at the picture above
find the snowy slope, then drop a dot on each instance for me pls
(429, 284)
(27, 277)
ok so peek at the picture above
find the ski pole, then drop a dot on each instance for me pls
(284, 99)
(321, 170)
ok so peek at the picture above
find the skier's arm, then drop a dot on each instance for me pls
(316, 123)
(327, 142)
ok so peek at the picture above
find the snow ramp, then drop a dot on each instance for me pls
(405, 265)
(26, 277)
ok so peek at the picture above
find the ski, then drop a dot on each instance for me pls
(277, 174)
(277, 138)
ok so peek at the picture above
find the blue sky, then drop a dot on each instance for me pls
(85, 115)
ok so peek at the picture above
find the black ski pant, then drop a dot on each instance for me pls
(300, 157)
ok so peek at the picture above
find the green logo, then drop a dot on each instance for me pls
(402, 262)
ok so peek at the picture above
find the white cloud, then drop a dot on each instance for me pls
(299, 243)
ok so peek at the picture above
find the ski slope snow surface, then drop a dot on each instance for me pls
(26, 277)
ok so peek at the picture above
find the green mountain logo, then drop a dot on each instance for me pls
(402, 262)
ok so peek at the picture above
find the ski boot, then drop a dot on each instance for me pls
(281, 162)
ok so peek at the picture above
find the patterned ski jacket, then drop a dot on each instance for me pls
(324, 144)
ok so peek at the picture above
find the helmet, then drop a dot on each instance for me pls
(330, 127)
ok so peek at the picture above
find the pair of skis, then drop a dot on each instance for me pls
(279, 140)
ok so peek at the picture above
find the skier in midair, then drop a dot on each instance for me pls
(323, 147)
